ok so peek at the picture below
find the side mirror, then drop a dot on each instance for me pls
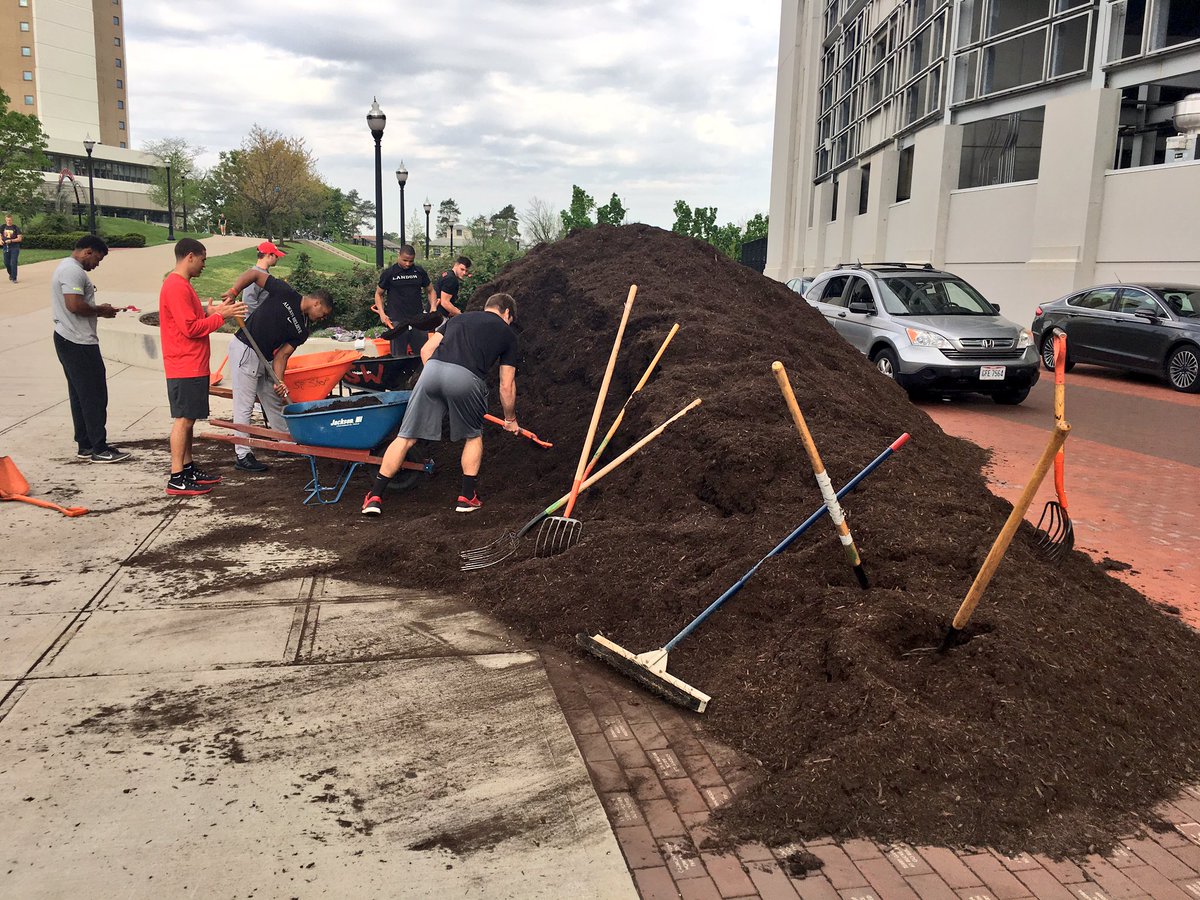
(995, 306)
(866, 307)
(1149, 315)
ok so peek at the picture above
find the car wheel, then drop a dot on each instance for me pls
(1011, 397)
(1048, 355)
(886, 362)
(1183, 369)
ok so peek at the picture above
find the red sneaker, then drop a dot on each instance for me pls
(466, 505)
(372, 505)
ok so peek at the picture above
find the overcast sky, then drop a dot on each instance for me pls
(487, 102)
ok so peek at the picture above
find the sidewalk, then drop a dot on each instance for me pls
(163, 735)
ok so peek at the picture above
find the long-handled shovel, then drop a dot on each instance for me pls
(621, 415)
(1004, 538)
(13, 486)
(262, 357)
(831, 502)
(1058, 533)
(559, 533)
(524, 432)
(650, 669)
(506, 545)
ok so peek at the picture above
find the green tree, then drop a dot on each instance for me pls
(612, 212)
(277, 180)
(701, 223)
(448, 212)
(218, 193)
(579, 213)
(756, 228)
(22, 159)
(186, 177)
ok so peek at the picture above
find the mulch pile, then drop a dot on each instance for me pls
(1066, 717)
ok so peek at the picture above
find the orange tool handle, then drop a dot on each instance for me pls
(524, 432)
(69, 511)
(1060, 412)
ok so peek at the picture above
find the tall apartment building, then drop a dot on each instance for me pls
(1022, 144)
(64, 61)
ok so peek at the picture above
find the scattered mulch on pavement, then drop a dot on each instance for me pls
(1068, 715)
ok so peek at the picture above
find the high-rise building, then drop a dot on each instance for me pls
(64, 61)
(1027, 145)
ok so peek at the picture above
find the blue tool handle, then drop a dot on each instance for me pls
(786, 542)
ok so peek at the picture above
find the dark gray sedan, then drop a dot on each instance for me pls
(1152, 328)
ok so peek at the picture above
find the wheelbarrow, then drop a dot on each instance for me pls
(382, 373)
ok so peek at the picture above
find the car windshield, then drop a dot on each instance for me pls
(1183, 301)
(933, 296)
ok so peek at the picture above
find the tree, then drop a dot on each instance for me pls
(364, 211)
(217, 194)
(542, 223)
(22, 159)
(579, 213)
(612, 212)
(186, 177)
(755, 228)
(701, 223)
(448, 212)
(277, 180)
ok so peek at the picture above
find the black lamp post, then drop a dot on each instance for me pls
(452, 224)
(401, 177)
(375, 121)
(170, 208)
(427, 208)
(183, 197)
(88, 145)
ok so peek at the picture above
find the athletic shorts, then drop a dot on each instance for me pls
(188, 397)
(445, 388)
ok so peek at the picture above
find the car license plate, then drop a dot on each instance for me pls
(992, 373)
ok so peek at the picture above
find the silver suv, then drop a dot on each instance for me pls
(929, 330)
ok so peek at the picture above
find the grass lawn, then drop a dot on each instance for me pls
(154, 234)
(366, 254)
(36, 256)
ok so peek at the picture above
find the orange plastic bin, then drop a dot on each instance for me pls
(313, 376)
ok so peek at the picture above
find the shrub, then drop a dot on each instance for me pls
(52, 223)
(125, 240)
(40, 241)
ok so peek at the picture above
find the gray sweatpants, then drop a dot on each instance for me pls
(250, 380)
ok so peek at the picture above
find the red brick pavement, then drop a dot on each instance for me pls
(659, 774)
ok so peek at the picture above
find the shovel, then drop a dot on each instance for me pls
(262, 357)
(1004, 538)
(1058, 534)
(559, 533)
(13, 486)
(214, 378)
(506, 545)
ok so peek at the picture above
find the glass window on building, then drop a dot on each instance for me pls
(29, 99)
(118, 61)
(1012, 14)
(121, 125)
(905, 174)
(27, 76)
(120, 104)
(116, 20)
(120, 84)
(116, 42)
(22, 2)
(864, 189)
(1003, 149)
(1175, 22)
(26, 51)
(24, 26)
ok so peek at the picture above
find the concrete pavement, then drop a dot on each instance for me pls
(166, 733)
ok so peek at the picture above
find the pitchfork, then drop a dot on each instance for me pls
(1057, 536)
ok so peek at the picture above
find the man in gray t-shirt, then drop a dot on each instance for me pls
(73, 301)
(268, 255)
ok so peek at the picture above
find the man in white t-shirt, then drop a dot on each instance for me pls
(73, 300)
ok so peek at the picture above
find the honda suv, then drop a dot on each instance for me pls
(927, 329)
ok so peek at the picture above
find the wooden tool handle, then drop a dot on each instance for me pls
(1000, 546)
(262, 356)
(591, 433)
(785, 386)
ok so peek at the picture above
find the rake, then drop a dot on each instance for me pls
(1057, 537)
(506, 545)
(650, 669)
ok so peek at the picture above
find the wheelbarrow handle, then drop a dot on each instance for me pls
(524, 432)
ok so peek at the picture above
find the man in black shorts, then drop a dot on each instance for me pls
(445, 291)
(279, 326)
(403, 298)
(453, 381)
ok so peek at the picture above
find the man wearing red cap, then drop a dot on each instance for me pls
(268, 255)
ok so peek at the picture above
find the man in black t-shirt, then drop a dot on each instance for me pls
(279, 325)
(453, 382)
(11, 237)
(404, 298)
(446, 289)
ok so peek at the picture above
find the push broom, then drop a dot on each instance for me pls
(650, 669)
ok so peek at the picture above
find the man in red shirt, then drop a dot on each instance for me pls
(185, 328)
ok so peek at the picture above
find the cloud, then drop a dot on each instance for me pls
(489, 103)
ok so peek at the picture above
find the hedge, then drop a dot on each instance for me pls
(68, 240)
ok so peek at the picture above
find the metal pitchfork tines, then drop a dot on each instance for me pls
(1057, 536)
(506, 545)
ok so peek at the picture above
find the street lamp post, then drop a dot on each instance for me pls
(427, 208)
(170, 208)
(88, 145)
(376, 120)
(452, 224)
(183, 197)
(401, 177)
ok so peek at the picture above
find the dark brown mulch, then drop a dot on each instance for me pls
(1068, 715)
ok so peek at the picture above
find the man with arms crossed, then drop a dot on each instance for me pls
(185, 328)
(73, 299)
(279, 326)
(456, 366)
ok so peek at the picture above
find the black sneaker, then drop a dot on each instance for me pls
(199, 476)
(109, 455)
(249, 463)
(84, 453)
(183, 486)
(372, 504)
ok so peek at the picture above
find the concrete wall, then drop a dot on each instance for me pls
(1149, 224)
